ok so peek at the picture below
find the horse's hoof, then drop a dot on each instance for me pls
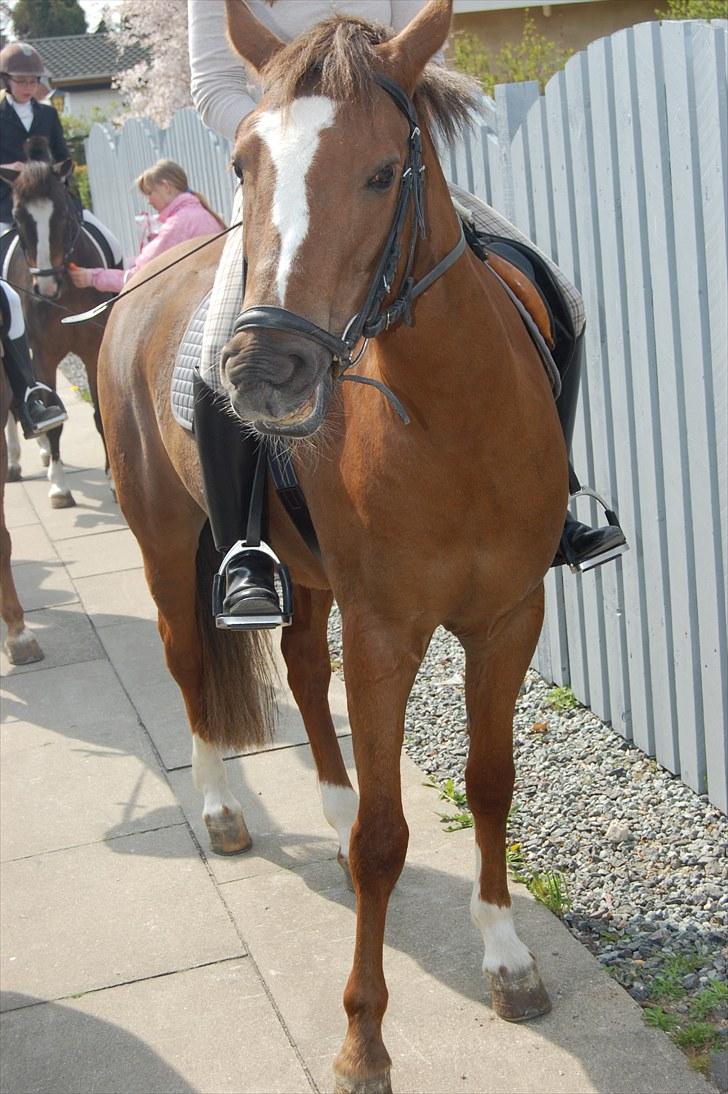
(228, 833)
(23, 649)
(518, 997)
(62, 501)
(14, 474)
(344, 864)
(374, 1084)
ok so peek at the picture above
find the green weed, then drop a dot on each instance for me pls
(660, 1019)
(549, 888)
(562, 699)
(708, 1000)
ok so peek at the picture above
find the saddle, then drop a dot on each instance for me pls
(9, 243)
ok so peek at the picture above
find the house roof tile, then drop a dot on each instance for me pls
(85, 58)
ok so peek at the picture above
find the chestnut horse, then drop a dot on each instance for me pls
(452, 519)
(50, 236)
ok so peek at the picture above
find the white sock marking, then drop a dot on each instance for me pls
(503, 947)
(341, 805)
(208, 771)
(292, 138)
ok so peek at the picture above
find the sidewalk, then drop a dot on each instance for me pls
(133, 962)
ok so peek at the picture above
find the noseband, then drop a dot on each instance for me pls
(373, 317)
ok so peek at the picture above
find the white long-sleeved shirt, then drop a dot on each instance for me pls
(222, 89)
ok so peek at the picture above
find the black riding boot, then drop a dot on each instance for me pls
(37, 406)
(228, 458)
(582, 547)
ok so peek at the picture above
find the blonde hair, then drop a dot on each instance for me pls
(171, 172)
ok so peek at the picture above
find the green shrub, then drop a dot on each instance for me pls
(534, 57)
(693, 9)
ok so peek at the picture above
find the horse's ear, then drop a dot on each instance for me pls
(9, 174)
(63, 170)
(408, 52)
(248, 37)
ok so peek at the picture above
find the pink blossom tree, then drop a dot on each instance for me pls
(156, 87)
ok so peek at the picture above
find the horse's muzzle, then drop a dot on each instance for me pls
(281, 385)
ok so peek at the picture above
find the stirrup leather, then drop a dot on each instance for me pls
(283, 618)
(579, 567)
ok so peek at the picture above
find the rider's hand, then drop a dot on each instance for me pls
(81, 277)
(16, 165)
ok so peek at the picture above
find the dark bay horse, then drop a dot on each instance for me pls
(452, 519)
(50, 237)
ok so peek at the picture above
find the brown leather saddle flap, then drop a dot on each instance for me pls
(526, 292)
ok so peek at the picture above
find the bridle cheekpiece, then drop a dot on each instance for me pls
(373, 317)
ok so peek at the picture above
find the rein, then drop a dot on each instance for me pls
(373, 318)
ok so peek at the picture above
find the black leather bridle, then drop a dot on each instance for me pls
(373, 317)
(72, 236)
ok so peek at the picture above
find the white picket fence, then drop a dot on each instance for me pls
(619, 172)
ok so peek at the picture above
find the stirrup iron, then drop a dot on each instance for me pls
(284, 618)
(583, 566)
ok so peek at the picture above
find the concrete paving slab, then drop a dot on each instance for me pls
(65, 635)
(279, 795)
(109, 601)
(18, 508)
(95, 509)
(299, 926)
(44, 585)
(97, 791)
(80, 698)
(135, 650)
(108, 913)
(207, 1029)
(103, 553)
(31, 544)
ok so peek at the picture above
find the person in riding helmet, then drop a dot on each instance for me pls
(24, 115)
(223, 93)
(37, 406)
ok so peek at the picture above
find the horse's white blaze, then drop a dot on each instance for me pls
(341, 805)
(503, 948)
(292, 138)
(41, 212)
(208, 771)
(57, 478)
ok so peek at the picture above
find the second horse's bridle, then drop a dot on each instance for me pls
(373, 317)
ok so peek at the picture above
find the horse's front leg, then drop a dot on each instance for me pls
(495, 668)
(305, 648)
(59, 493)
(381, 664)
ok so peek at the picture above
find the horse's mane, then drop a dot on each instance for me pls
(338, 58)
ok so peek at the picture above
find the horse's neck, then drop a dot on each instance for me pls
(459, 347)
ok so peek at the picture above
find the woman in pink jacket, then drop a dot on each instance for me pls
(182, 213)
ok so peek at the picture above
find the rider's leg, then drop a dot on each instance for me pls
(38, 407)
(228, 456)
(581, 546)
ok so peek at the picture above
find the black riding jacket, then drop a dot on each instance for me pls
(13, 136)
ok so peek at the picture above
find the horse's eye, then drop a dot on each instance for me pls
(382, 180)
(238, 170)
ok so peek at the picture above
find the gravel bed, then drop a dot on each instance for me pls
(643, 858)
(74, 370)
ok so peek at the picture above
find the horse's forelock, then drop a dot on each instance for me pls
(35, 181)
(338, 58)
